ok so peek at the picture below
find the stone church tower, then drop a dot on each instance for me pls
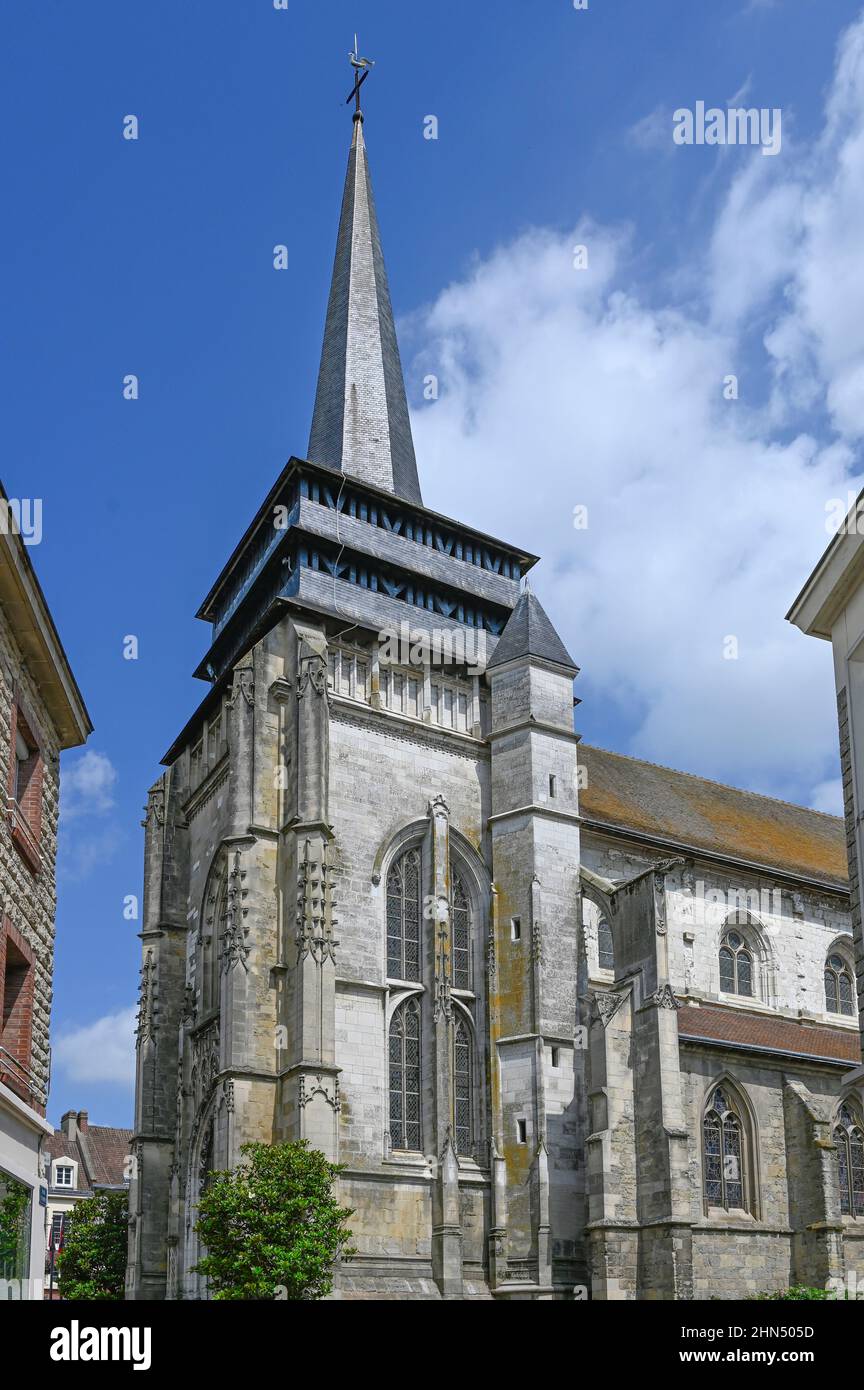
(369, 921)
(324, 954)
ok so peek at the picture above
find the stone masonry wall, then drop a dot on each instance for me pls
(29, 899)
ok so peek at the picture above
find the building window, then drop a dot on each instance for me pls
(723, 1141)
(736, 965)
(25, 762)
(16, 1012)
(553, 786)
(839, 987)
(849, 1138)
(15, 1220)
(403, 917)
(64, 1175)
(25, 789)
(214, 738)
(521, 1131)
(58, 1221)
(605, 949)
(196, 763)
(405, 1076)
(460, 935)
(515, 928)
(463, 1088)
(212, 936)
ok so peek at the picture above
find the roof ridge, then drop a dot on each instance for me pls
(712, 782)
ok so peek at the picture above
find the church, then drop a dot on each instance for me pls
(575, 1025)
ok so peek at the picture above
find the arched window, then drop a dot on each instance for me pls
(405, 1075)
(403, 917)
(212, 935)
(839, 986)
(723, 1138)
(849, 1138)
(605, 948)
(736, 965)
(463, 1088)
(460, 927)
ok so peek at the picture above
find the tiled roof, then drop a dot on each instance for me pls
(677, 807)
(100, 1151)
(738, 1027)
(108, 1150)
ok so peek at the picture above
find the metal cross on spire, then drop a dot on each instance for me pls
(360, 66)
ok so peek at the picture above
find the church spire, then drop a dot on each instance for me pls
(360, 422)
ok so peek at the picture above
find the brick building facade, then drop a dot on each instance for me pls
(41, 712)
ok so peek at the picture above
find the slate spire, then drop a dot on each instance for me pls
(360, 423)
(529, 632)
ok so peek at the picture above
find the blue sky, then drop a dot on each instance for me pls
(154, 257)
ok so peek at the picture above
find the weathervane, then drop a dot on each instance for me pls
(360, 65)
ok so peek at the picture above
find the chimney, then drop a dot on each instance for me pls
(82, 1121)
(69, 1125)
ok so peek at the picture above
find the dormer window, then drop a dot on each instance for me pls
(64, 1175)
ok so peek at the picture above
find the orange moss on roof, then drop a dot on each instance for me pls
(657, 801)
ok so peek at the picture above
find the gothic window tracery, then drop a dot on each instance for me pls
(403, 917)
(463, 1089)
(605, 947)
(422, 960)
(736, 965)
(404, 1047)
(849, 1139)
(839, 986)
(724, 1142)
(460, 929)
(212, 936)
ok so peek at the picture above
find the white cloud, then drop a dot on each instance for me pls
(87, 785)
(100, 1051)
(654, 131)
(828, 797)
(562, 387)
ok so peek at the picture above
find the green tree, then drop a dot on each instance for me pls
(92, 1262)
(273, 1228)
(14, 1227)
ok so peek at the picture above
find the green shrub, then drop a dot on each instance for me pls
(273, 1229)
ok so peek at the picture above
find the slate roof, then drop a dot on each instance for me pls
(101, 1152)
(739, 1028)
(360, 423)
(529, 632)
(690, 812)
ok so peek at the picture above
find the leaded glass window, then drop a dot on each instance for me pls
(839, 987)
(723, 1141)
(460, 935)
(404, 1047)
(605, 949)
(736, 965)
(462, 1085)
(849, 1138)
(212, 937)
(403, 917)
